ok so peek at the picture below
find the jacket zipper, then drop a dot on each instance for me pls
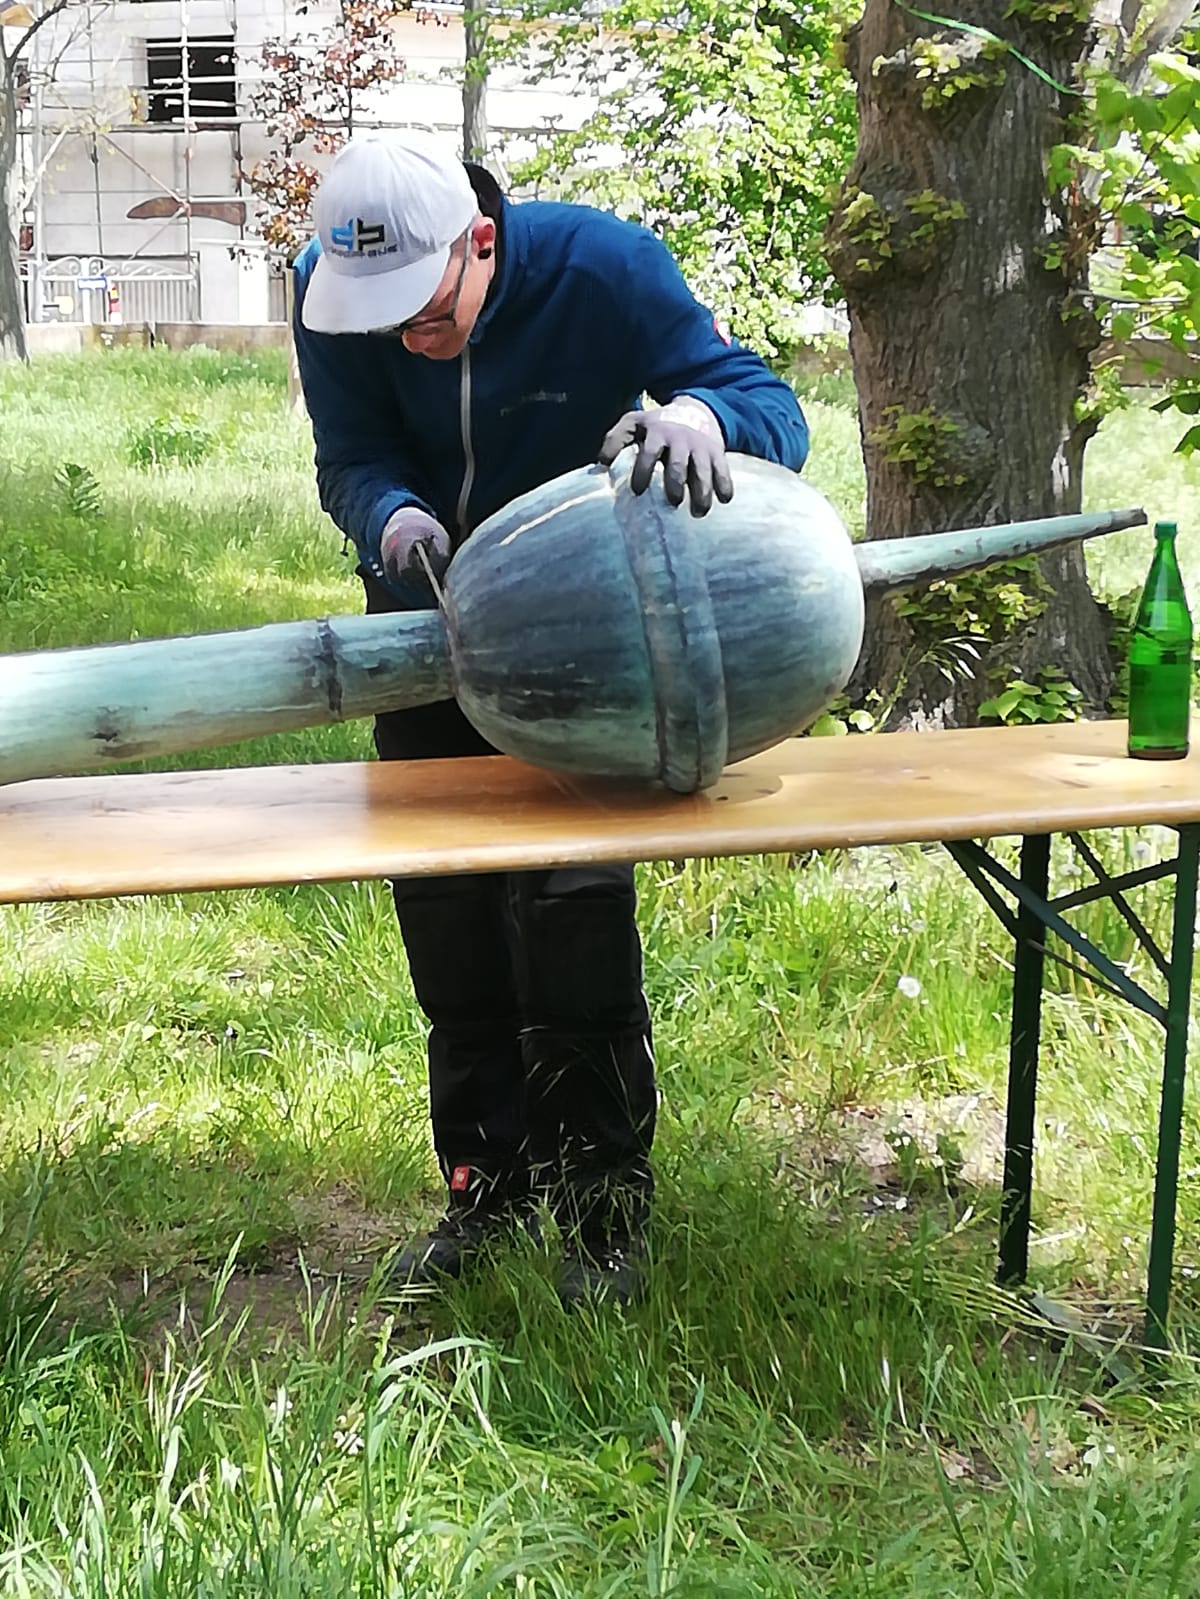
(464, 417)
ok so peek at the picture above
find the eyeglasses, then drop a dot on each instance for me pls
(418, 324)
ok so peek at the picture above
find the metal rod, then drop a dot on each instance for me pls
(1170, 1114)
(1125, 910)
(1024, 1039)
(37, 271)
(962, 853)
(966, 853)
(1049, 918)
(429, 573)
(1084, 896)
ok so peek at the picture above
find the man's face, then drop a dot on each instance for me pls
(440, 330)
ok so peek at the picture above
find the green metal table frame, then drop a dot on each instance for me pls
(1034, 918)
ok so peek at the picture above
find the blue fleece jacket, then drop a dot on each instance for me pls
(585, 314)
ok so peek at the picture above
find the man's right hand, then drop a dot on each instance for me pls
(404, 533)
(686, 437)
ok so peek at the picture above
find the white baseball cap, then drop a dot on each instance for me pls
(387, 213)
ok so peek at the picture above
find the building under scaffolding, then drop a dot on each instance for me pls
(137, 127)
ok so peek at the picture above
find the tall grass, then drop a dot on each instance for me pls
(215, 1133)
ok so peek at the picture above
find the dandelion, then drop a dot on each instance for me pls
(910, 987)
(347, 1436)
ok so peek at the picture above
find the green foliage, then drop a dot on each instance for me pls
(934, 213)
(726, 132)
(865, 236)
(80, 489)
(923, 441)
(957, 616)
(1104, 393)
(243, 534)
(842, 718)
(866, 227)
(1061, 17)
(1140, 161)
(1122, 608)
(948, 66)
(1052, 697)
(919, 1168)
(171, 439)
(992, 604)
(1186, 400)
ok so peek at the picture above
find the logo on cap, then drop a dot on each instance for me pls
(356, 237)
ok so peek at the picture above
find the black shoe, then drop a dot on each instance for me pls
(457, 1240)
(613, 1273)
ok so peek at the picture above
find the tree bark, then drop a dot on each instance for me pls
(12, 305)
(970, 332)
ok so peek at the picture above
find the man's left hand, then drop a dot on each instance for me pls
(686, 437)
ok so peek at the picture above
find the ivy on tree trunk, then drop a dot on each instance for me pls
(970, 331)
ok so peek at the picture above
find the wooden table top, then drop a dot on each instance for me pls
(89, 837)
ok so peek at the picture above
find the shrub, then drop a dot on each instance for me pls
(178, 439)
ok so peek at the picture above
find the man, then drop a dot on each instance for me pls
(457, 350)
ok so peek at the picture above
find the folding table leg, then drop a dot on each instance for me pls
(1028, 965)
(1170, 1115)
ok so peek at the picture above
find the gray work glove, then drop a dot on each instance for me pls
(403, 569)
(686, 437)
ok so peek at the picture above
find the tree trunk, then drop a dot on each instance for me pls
(295, 388)
(12, 305)
(970, 337)
(475, 76)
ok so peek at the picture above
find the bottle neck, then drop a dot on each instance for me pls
(1163, 602)
(1166, 556)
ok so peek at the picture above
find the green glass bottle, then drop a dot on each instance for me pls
(1160, 658)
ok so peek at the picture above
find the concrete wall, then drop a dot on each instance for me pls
(238, 337)
(73, 338)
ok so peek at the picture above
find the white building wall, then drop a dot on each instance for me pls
(89, 157)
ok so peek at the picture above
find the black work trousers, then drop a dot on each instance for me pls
(541, 1070)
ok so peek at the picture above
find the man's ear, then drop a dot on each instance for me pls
(484, 235)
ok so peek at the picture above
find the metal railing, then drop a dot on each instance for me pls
(98, 289)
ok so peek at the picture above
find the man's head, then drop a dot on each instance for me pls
(404, 248)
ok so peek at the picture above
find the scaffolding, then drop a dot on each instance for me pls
(117, 81)
(87, 90)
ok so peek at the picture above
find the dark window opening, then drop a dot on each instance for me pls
(212, 85)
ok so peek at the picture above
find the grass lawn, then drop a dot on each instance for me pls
(215, 1132)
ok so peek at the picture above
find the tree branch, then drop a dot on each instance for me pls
(1163, 31)
(48, 15)
(1131, 13)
